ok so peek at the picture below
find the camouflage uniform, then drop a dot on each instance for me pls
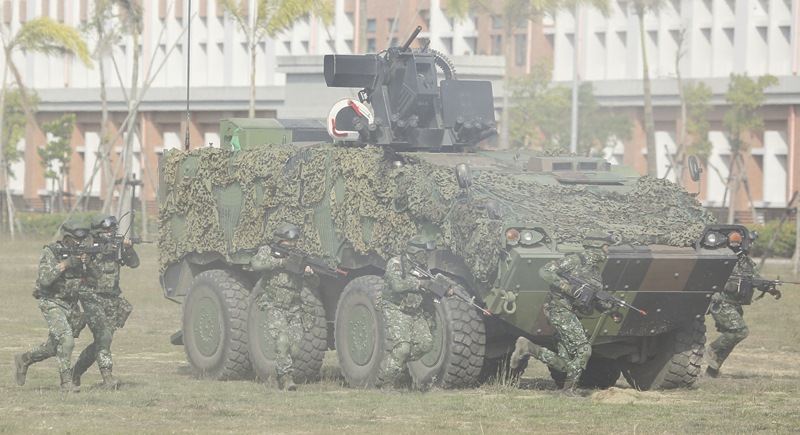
(59, 281)
(727, 312)
(286, 317)
(574, 349)
(105, 308)
(401, 303)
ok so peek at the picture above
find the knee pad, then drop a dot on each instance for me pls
(402, 351)
(67, 343)
(584, 353)
(282, 344)
(104, 339)
(741, 334)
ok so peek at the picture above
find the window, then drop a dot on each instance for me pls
(520, 49)
(448, 45)
(497, 45)
(497, 21)
(372, 26)
(371, 45)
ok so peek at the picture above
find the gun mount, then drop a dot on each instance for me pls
(408, 108)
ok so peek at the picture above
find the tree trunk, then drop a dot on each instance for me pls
(649, 127)
(124, 205)
(504, 126)
(733, 187)
(253, 46)
(105, 144)
(3, 164)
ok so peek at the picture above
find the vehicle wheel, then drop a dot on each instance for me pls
(600, 373)
(307, 363)
(214, 326)
(676, 363)
(362, 339)
(459, 345)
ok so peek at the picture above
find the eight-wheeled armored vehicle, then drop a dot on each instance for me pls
(405, 160)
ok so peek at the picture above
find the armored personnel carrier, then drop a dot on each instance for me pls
(404, 161)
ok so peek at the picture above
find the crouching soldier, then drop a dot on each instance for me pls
(102, 301)
(281, 299)
(62, 275)
(401, 303)
(560, 309)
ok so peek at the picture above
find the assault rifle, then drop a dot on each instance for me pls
(587, 292)
(297, 260)
(763, 285)
(77, 251)
(440, 285)
(117, 241)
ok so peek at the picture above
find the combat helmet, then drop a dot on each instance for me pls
(598, 238)
(286, 231)
(75, 227)
(418, 243)
(103, 223)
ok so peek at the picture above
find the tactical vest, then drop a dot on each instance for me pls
(68, 283)
(104, 272)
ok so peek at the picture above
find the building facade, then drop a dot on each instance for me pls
(722, 37)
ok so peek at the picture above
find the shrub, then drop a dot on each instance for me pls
(784, 244)
(45, 224)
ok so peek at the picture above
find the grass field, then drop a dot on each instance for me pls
(759, 390)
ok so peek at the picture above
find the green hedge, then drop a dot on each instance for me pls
(45, 224)
(784, 244)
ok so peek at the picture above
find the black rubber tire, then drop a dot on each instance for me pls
(676, 363)
(307, 363)
(459, 346)
(600, 374)
(215, 326)
(362, 339)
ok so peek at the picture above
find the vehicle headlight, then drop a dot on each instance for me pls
(530, 237)
(713, 239)
(512, 236)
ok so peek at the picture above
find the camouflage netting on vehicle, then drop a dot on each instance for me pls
(224, 202)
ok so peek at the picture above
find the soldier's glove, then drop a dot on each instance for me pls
(568, 289)
(717, 299)
(775, 293)
(72, 262)
(604, 306)
(415, 273)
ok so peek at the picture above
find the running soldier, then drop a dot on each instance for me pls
(62, 276)
(102, 301)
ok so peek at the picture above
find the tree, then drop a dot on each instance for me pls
(541, 116)
(55, 156)
(742, 123)
(641, 8)
(39, 35)
(516, 13)
(698, 104)
(13, 130)
(269, 19)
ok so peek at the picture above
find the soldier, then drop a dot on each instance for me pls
(61, 277)
(574, 349)
(726, 306)
(102, 301)
(281, 300)
(401, 302)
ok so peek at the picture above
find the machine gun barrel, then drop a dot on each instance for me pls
(411, 39)
(440, 284)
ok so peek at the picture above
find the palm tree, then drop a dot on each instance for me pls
(641, 8)
(515, 14)
(39, 35)
(269, 19)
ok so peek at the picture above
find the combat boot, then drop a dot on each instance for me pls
(713, 365)
(570, 389)
(524, 349)
(109, 382)
(285, 382)
(21, 363)
(66, 383)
